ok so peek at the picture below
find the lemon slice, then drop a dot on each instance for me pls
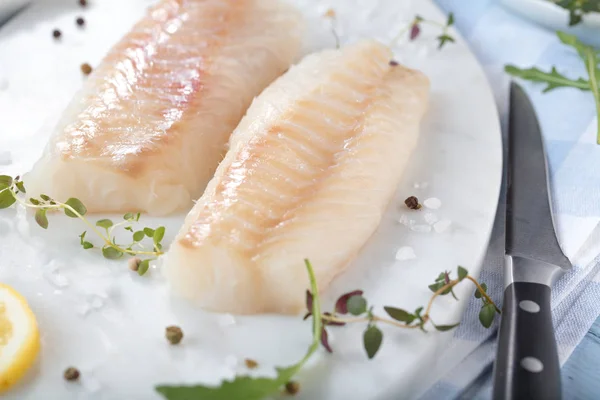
(19, 337)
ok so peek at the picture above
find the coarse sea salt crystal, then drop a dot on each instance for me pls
(430, 218)
(405, 253)
(442, 225)
(432, 203)
(421, 228)
(226, 320)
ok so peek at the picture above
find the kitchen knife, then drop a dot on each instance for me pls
(527, 365)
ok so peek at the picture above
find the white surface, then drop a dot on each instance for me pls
(556, 18)
(96, 315)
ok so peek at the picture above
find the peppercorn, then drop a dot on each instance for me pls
(394, 63)
(86, 68)
(134, 263)
(71, 374)
(413, 203)
(56, 34)
(80, 21)
(174, 334)
(251, 364)
(83, 3)
(292, 387)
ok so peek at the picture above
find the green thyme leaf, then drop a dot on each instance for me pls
(443, 39)
(128, 228)
(143, 267)
(486, 315)
(111, 253)
(450, 21)
(21, 186)
(399, 314)
(35, 202)
(372, 339)
(82, 237)
(44, 197)
(104, 223)
(87, 245)
(149, 232)
(138, 236)
(159, 233)
(418, 312)
(434, 287)
(5, 182)
(128, 217)
(246, 387)
(6, 199)
(444, 328)
(357, 305)
(462, 273)
(40, 218)
(76, 205)
(137, 217)
(478, 293)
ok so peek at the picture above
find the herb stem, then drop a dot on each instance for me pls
(591, 66)
(436, 294)
(331, 318)
(483, 293)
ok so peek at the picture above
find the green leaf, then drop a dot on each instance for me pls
(149, 232)
(35, 202)
(462, 273)
(21, 186)
(44, 197)
(40, 218)
(5, 182)
(143, 267)
(444, 328)
(82, 237)
(138, 236)
(128, 228)
(128, 217)
(418, 312)
(443, 39)
(400, 315)
(486, 315)
(6, 199)
(372, 339)
(246, 387)
(552, 79)
(434, 287)
(87, 245)
(159, 233)
(158, 246)
(104, 223)
(76, 205)
(450, 21)
(111, 253)
(441, 277)
(137, 216)
(478, 293)
(357, 305)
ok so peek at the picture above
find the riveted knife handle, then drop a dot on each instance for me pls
(527, 366)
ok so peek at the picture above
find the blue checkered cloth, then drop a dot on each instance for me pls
(568, 121)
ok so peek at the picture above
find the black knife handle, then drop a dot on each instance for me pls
(527, 366)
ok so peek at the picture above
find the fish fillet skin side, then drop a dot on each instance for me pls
(310, 171)
(151, 123)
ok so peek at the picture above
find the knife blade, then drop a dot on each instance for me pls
(527, 365)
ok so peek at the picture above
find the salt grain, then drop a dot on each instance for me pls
(432, 203)
(405, 253)
(421, 228)
(442, 225)
(227, 320)
(430, 218)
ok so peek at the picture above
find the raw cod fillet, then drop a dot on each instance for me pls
(309, 173)
(150, 125)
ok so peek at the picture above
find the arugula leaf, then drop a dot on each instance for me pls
(249, 388)
(578, 8)
(553, 78)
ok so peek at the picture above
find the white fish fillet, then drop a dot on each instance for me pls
(150, 125)
(310, 170)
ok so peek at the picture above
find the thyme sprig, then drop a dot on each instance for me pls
(415, 27)
(12, 190)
